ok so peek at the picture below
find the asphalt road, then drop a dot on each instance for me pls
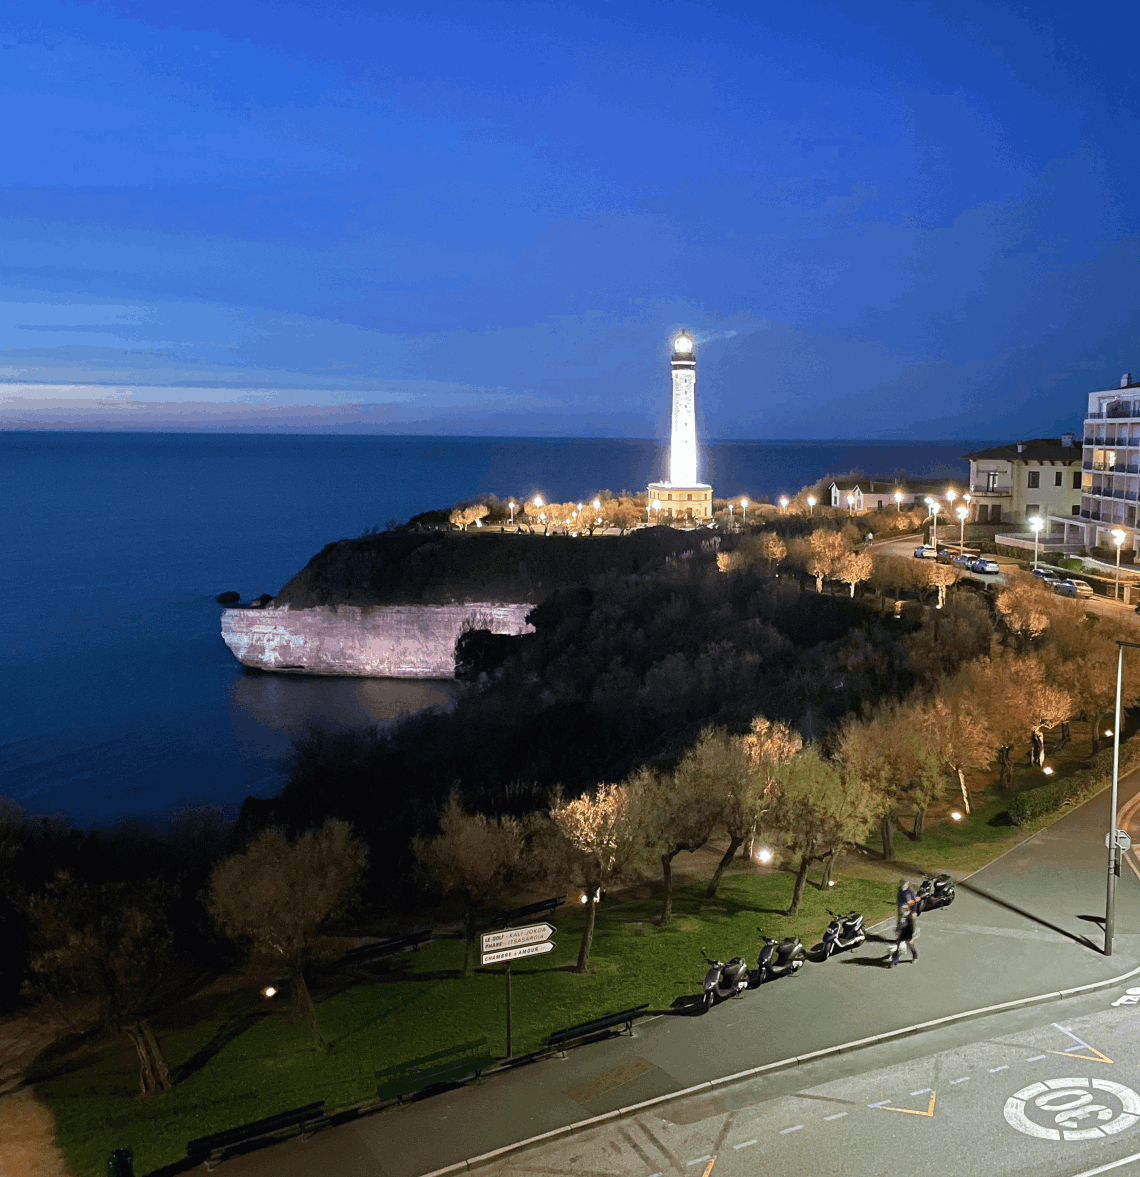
(1026, 924)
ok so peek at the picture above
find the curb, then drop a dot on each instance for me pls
(858, 1044)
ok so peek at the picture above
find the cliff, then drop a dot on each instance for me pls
(394, 641)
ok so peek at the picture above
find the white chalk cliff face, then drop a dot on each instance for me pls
(383, 641)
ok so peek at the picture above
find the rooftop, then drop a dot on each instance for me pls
(1036, 449)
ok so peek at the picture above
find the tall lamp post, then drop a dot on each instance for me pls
(1114, 841)
(850, 504)
(783, 503)
(730, 522)
(935, 507)
(898, 502)
(1118, 538)
(962, 512)
(512, 504)
(1036, 524)
(951, 495)
(811, 505)
(744, 508)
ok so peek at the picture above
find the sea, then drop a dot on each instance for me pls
(120, 699)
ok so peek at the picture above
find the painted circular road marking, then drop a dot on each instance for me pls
(1073, 1109)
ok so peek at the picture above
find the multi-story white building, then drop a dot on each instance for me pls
(1012, 483)
(1110, 472)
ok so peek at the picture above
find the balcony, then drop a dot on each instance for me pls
(991, 491)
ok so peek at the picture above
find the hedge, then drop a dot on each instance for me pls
(1075, 789)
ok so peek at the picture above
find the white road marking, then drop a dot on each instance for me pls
(785, 1131)
(1110, 1165)
(837, 1116)
(920, 1091)
(964, 1079)
(1078, 1041)
(881, 1103)
(746, 1144)
(1035, 1059)
(994, 1070)
(706, 1157)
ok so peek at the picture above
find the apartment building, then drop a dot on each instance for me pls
(1110, 470)
(1012, 483)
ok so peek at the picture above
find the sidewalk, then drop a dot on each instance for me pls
(1025, 924)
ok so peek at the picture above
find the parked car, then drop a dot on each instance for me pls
(964, 560)
(945, 556)
(1073, 588)
(1046, 574)
(926, 552)
(981, 564)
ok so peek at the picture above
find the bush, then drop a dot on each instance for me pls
(1035, 803)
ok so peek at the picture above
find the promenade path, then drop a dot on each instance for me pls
(1028, 923)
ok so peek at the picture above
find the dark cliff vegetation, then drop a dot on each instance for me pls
(438, 568)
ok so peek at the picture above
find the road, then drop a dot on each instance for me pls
(1024, 925)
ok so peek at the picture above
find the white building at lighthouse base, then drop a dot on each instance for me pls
(681, 502)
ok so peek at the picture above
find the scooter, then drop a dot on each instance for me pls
(724, 980)
(778, 958)
(934, 892)
(845, 931)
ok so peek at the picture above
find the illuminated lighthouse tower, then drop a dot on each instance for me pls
(682, 496)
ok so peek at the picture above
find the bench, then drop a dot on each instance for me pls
(542, 907)
(603, 1025)
(367, 953)
(212, 1149)
(455, 1065)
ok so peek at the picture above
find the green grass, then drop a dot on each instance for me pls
(273, 1067)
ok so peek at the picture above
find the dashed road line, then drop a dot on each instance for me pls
(700, 1160)
(1035, 1059)
(994, 1070)
(920, 1091)
(785, 1131)
(744, 1144)
(880, 1104)
(837, 1116)
(964, 1079)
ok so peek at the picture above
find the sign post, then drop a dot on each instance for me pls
(511, 944)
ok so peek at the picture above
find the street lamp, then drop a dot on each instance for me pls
(1036, 524)
(962, 512)
(850, 504)
(1113, 841)
(898, 502)
(1118, 537)
(730, 522)
(811, 504)
(935, 507)
(512, 504)
(951, 495)
(744, 508)
(783, 503)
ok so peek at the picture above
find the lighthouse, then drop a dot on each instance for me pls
(682, 496)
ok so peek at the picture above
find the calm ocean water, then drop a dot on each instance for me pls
(121, 698)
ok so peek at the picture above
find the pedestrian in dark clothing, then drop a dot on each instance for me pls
(907, 927)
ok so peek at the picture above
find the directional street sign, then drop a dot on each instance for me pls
(513, 937)
(1123, 841)
(506, 954)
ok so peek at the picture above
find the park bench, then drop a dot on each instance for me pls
(603, 1025)
(455, 1065)
(213, 1149)
(517, 914)
(380, 949)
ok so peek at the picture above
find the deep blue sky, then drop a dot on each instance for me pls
(886, 220)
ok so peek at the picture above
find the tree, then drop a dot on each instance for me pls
(473, 856)
(956, 730)
(464, 516)
(942, 576)
(1024, 607)
(773, 549)
(111, 941)
(825, 549)
(680, 814)
(856, 567)
(279, 893)
(816, 812)
(603, 829)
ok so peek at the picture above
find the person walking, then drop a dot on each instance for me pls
(906, 930)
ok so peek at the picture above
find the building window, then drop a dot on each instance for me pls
(1034, 479)
(1058, 478)
(1032, 509)
(1076, 509)
(690, 498)
(1076, 480)
(991, 480)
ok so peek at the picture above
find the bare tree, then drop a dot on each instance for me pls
(604, 831)
(473, 856)
(279, 893)
(113, 942)
(856, 567)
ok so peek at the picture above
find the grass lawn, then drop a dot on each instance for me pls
(272, 1066)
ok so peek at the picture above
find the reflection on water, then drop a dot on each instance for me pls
(269, 710)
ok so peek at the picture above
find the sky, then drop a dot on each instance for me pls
(897, 220)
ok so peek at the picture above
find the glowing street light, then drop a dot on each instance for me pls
(597, 504)
(783, 502)
(730, 523)
(764, 855)
(1118, 537)
(1035, 523)
(951, 495)
(744, 508)
(935, 507)
(962, 512)
(850, 504)
(898, 502)
(512, 504)
(811, 504)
